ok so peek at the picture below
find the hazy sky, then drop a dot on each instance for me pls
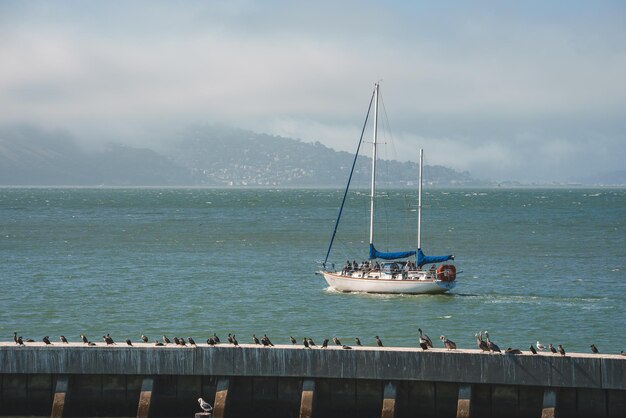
(530, 90)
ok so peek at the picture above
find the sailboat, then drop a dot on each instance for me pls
(402, 272)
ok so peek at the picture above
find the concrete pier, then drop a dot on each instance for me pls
(292, 381)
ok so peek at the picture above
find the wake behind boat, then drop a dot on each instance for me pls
(409, 272)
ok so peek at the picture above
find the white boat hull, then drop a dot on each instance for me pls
(414, 286)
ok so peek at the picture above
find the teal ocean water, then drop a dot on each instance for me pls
(541, 264)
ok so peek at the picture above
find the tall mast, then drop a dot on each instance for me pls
(374, 163)
(419, 203)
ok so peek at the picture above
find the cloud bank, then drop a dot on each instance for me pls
(529, 92)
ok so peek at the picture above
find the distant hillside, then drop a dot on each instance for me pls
(205, 156)
(222, 156)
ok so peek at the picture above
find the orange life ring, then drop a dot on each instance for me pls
(446, 273)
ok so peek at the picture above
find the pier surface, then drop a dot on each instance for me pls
(144, 380)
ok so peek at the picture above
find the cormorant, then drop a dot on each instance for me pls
(378, 341)
(255, 340)
(594, 349)
(216, 338)
(532, 349)
(63, 339)
(293, 340)
(336, 341)
(107, 339)
(46, 340)
(166, 340)
(128, 342)
(230, 338)
(210, 341)
(346, 347)
(266, 341)
(191, 341)
(235, 342)
(144, 338)
(311, 342)
(551, 347)
(512, 351)
(425, 339)
(357, 340)
(85, 340)
(176, 341)
(19, 341)
(561, 350)
(325, 343)
(305, 342)
(157, 343)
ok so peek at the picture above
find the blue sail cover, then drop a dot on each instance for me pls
(374, 253)
(429, 259)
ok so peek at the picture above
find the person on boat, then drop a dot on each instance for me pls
(346, 268)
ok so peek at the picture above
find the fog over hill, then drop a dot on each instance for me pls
(204, 156)
(211, 156)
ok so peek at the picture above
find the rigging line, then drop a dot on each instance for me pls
(345, 193)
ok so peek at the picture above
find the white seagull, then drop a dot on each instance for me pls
(205, 405)
(540, 346)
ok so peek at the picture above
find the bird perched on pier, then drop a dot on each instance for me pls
(230, 338)
(85, 340)
(551, 347)
(191, 341)
(255, 340)
(235, 342)
(336, 341)
(19, 341)
(176, 341)
(15, 337)
(91, 343)
(166, 340)
(561, 350)
(311, 342)
(357, 340)
(107, 339)
(305, 342)
(205, 406)
(266, 341)
(449, 344)
(540, 346)
(594, 349)
(182, 342)
(532, 349)
(378, 341)
(210, 341)
(346, 347)
(216, 338)
(157, 343)
(512, 351)
(63, 339)
(129, 342)
(144, 338)
(293, 340)
(492, 346)
(325, 343)
(46, 340)
(480, 343)
(425, 339)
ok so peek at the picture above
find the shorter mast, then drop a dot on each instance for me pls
(419, 203)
